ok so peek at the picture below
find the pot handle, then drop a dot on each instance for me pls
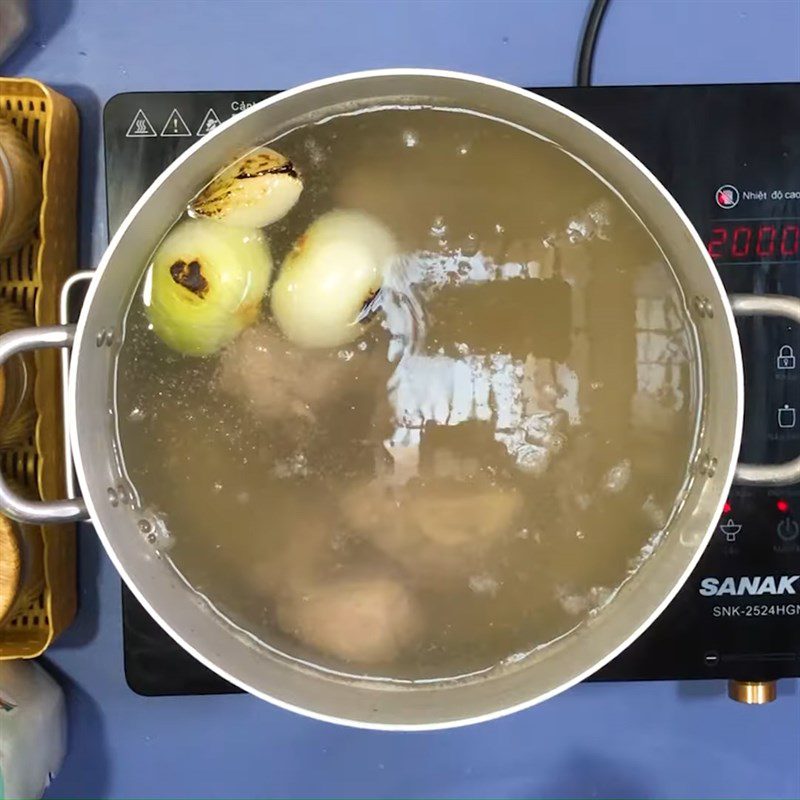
(768, 305)
(38, 512)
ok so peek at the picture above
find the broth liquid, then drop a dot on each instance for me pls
(505, 442)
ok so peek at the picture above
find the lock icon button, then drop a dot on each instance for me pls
(786, 359)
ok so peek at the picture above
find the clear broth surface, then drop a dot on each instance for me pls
(484, 467)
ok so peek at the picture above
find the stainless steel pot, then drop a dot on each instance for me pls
(110, 502)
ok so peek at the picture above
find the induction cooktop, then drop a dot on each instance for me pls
(730, 155)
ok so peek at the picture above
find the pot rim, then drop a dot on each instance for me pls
(726, 470)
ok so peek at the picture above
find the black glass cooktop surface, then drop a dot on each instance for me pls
(731, 157)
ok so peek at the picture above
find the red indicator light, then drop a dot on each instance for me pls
(782, 506)
(726, 509)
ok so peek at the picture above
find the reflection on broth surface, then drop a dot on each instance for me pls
(465, 424)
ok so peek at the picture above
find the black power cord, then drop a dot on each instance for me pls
(583, 72)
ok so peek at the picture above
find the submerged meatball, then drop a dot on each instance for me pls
(292, 565)
(273, 379)
(462, 515)
(361, 620)
(436, 530)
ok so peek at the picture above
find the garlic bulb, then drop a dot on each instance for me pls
(329, 278)
(206, 284)
(254, 191)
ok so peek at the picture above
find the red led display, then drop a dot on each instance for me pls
(755, 241)
(782, 506)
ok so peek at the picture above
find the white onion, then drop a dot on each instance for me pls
(328, 280)
(254, 191)
(206, 284)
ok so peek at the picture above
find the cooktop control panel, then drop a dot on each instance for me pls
(730, 155)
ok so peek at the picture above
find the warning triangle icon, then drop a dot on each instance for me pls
(210, 121)
(140, 126)
(175, 126)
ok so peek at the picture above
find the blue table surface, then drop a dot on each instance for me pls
(605, 740)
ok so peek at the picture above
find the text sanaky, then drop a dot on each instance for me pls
(758, 585)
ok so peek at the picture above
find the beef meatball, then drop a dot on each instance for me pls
(360, 620)
(435, 530)
(275, 380)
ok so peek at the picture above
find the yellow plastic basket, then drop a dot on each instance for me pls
(32, 279)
